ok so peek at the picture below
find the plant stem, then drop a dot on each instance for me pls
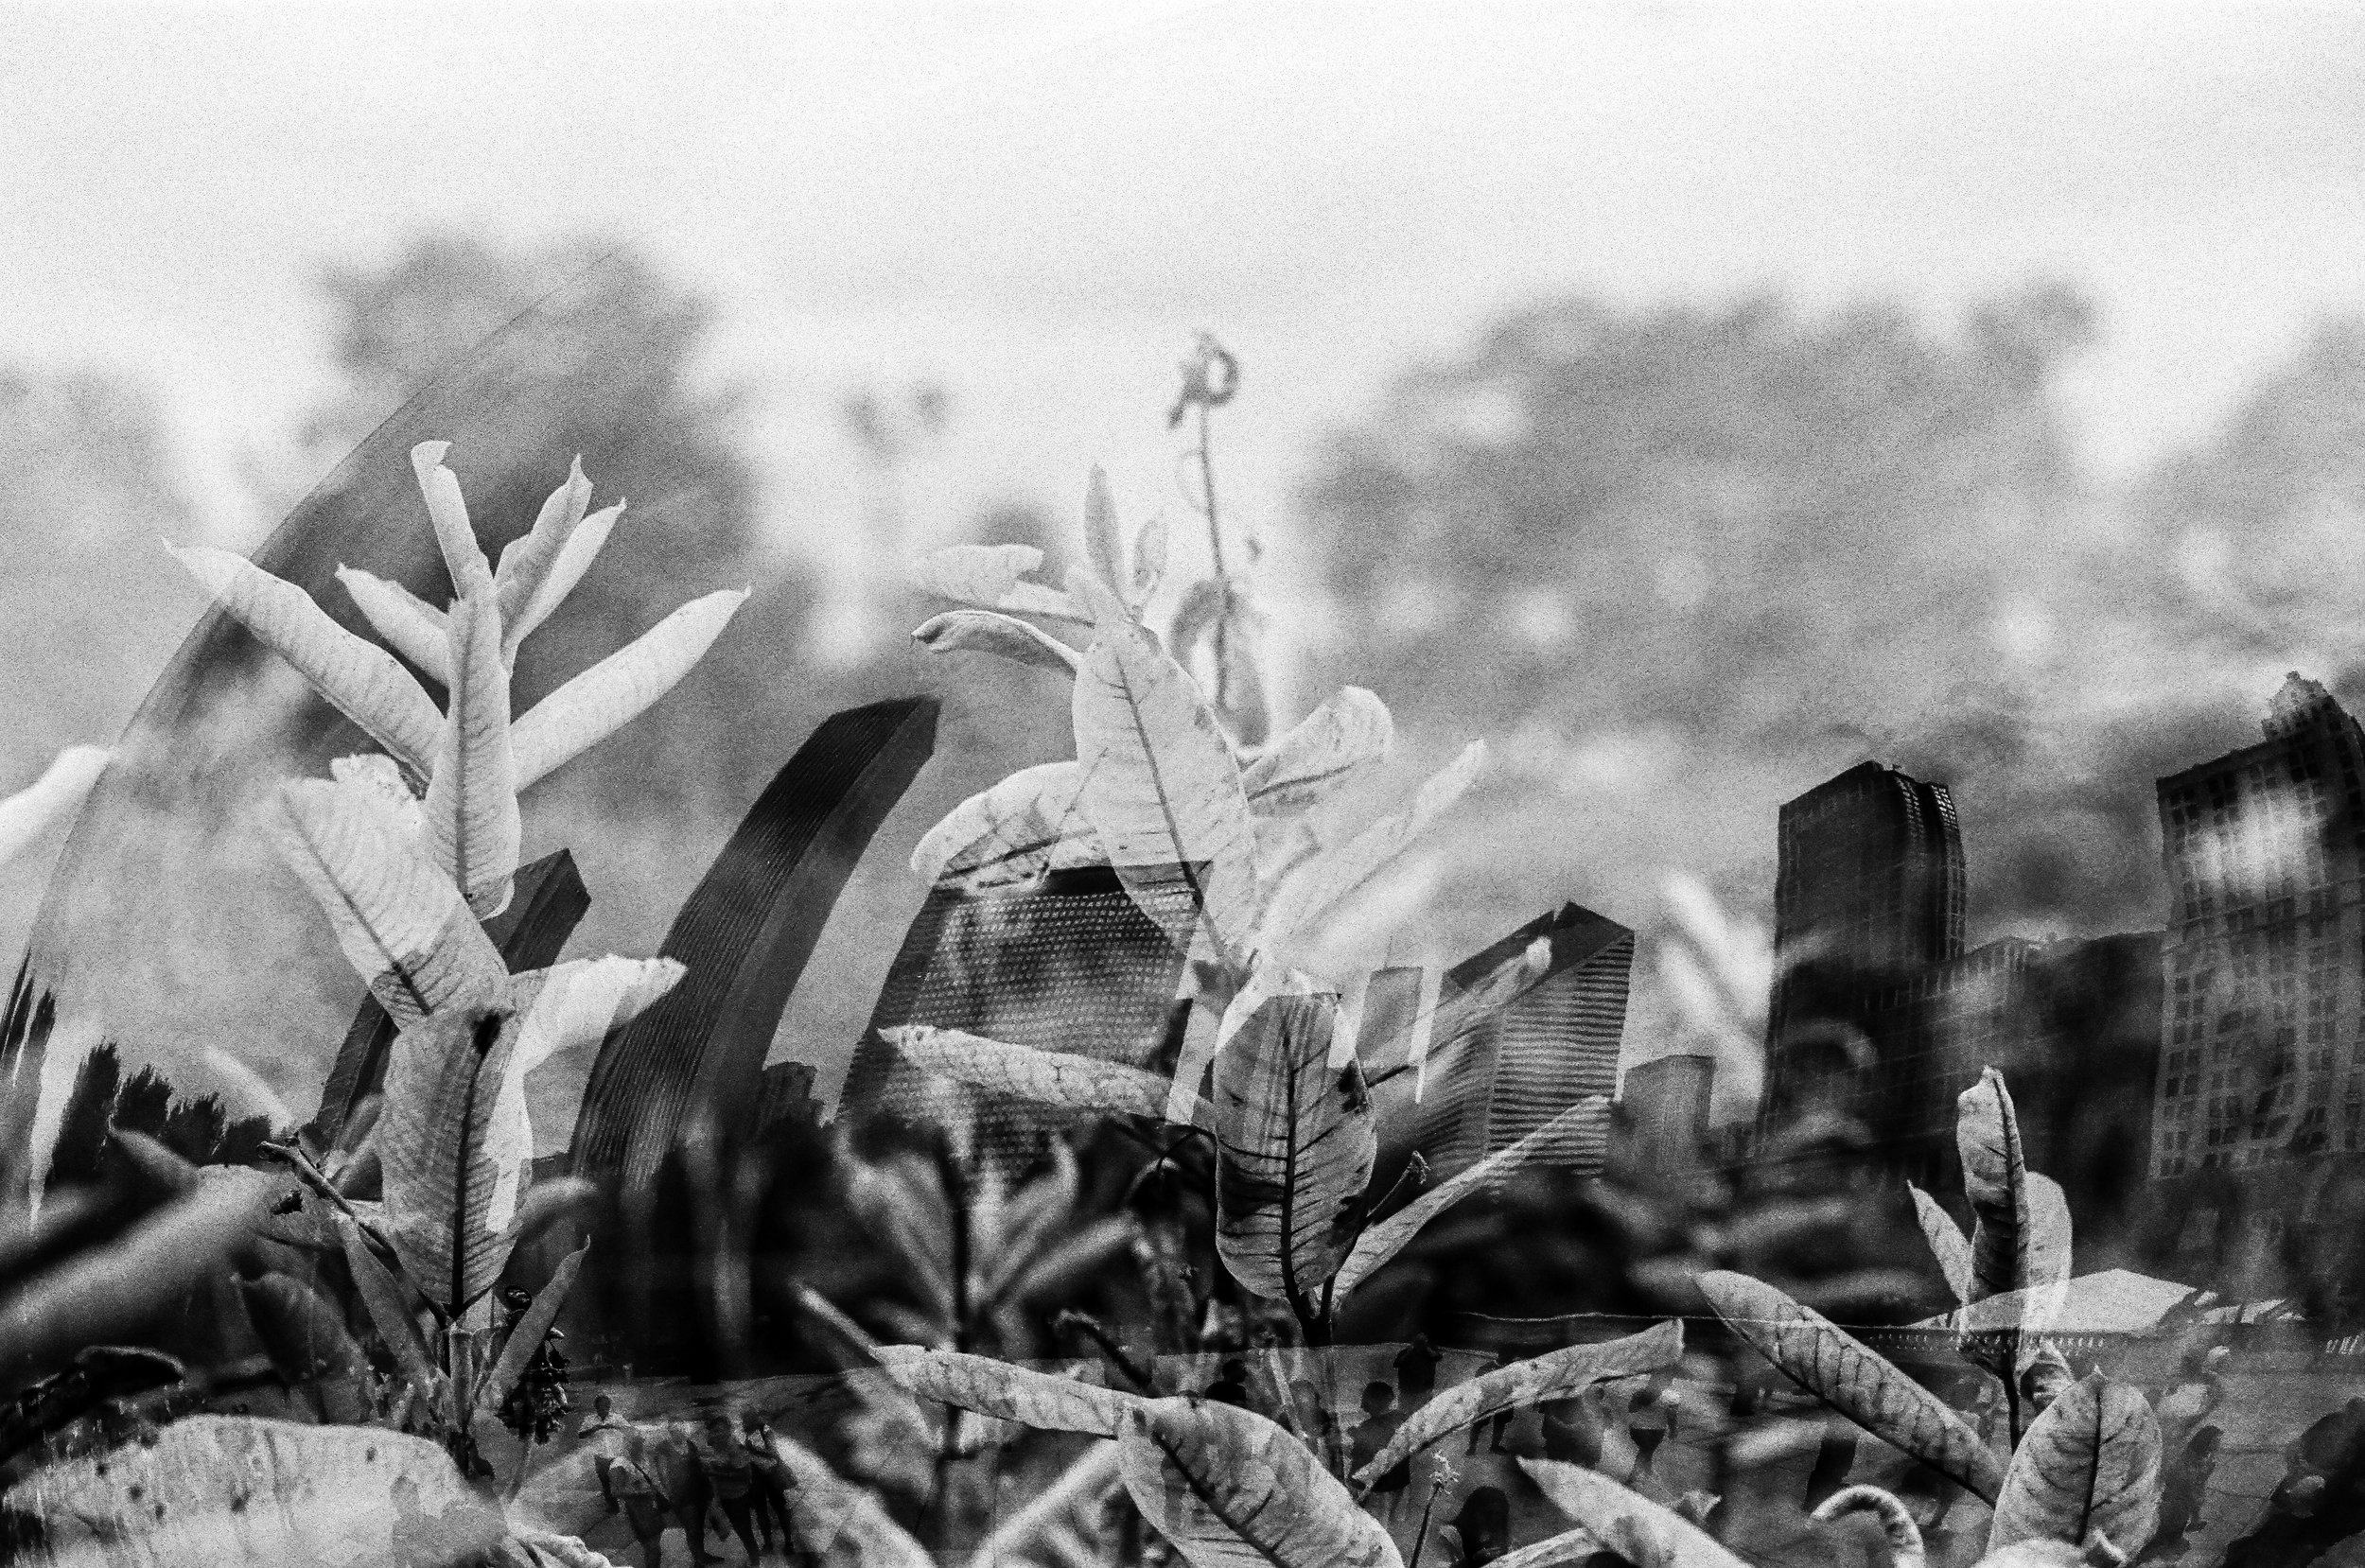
(1214, 546)
(1420, 1541)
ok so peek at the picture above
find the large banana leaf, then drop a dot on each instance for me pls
(1007, 1392)
(1231, 1490)
(1295, 1143)
(438, 1143)
(472, 819)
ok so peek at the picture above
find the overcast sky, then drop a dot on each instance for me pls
(1037, 203)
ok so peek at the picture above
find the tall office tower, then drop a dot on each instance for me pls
(2260, 1068)
(1070, 964)
(1552, 1048)
(1662, 1120)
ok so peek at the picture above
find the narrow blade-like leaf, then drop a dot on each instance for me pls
(526, 561)
(463, 558)
(472, 820)
(1307, 763)
(353, 675)
(1045, 1077)
(621, 687)
(1060, 1527)
(56, 794)
(1817, 1355)
(389, 1305)
(527, 1336)
(1160, 784)
(1609, 1512)
(992, 577)
(1007, 1392)
(1295, 1143)
(1384, 1240)
(1231, 1490)
(573, 559)
(401, 923)
(1334, 873)
(1947, 1241)
(986, 632)
(2089, 1465)
(1104, 542)
(410, 624)
(1149, 562)
(1557, 1375)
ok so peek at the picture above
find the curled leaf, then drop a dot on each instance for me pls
(462, 556)
(1895, 1519)
(1007, 1392)
(986, 632)
(410, 624)
(1149, 562)
(992, 577)
(620, 688)
(1231, 1490)
(353, 675)
(2089, 1465)
(1557, 1375)
(525, 563)
(1817, 1355)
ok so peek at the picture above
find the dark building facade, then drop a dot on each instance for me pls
(1661, 1117)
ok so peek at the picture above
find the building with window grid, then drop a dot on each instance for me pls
(2264, 849)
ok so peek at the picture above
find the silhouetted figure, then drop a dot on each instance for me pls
(1416, 1372)
(1833, 1458)
(2184, 1485)
(2321, 1500)
(1230, 1385)
(729, 1472)
(606, 1434)
(1502, 1421)
(772, 1482)
(1650, 1416)
(633, 1486)
(1318, 1422)
(1483, 1528)
(1381, 1421)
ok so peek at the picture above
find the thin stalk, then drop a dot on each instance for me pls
(1436, 1485)
(1214, 546)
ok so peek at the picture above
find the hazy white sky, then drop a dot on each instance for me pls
(1037, 203)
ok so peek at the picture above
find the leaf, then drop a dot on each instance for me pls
(533, 1327)
(620, 688)
(1061, 1525)
(1007, 1392)
(1222, 615)
(1815, 1355)
(897, 1203)
(355, 676)
(56, 795)
(526, 561)
(1895, 1519)
(471, 809)
(402, 925)
(376, 779)
(831, 1514)
(1556, 1375)
(2089, 1465)
(237, 1489)
(991, 577)
(1057, 1078)
(1149, 562)
(1160, 785)
(414, 627)
(1307, 763)
(986, 632)
(305, 1335)
(1295, 1143)
(1384, 1240)
(442, 1161)
(1947, 1240)
(1231, 1490)
(388, 1302)
(1987, 1135)
(885, 1398)
(1330, 876)
(1104, 543)
(1608, 1511)
(463, 558)
(1029, 822)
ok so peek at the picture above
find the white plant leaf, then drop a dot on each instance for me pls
(1307, 763)
(473, 824)
(1820, 1357)
(993, 577)
(1161, 786)
(832, 1516)
(1321, 882)
(410, 624)
(463, 558)
(443, 1153)
(402, 925)
(389, 1303)
(1295, 1141)
(2090, 1465)
(1554, 1376)
(1149, 562)
(582, 546)
(990, 632)
(526, 561)
(620, 688)
(1104, 541)
(242, 1490)
(1610, 1512)
(1385, 1238)
(352, 674)
(50, 799)
(1007, 1392)
(2020, 1241)
(376, 779)
(1045, 1077)
(1947, 1241)
(1030, 823)
(1888, 1512)
(1231, 1490)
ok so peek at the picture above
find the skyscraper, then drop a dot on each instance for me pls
(2264, 849)
(1870, 872)
(1554, 1047)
